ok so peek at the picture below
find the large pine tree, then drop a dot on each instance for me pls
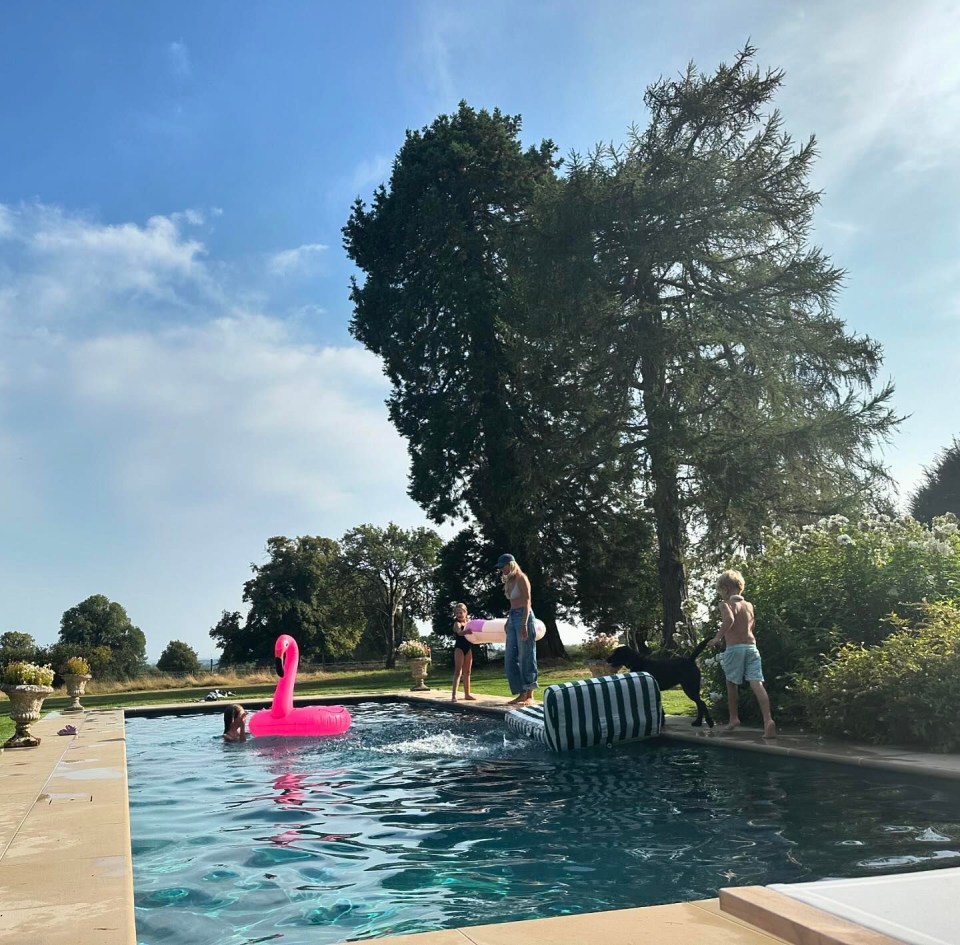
(735, 385)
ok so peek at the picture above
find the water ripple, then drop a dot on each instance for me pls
(417, 820)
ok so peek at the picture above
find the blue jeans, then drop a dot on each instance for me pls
(520, 656)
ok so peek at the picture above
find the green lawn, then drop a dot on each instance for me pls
(488, 681)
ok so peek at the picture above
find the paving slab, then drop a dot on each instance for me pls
(66, 871)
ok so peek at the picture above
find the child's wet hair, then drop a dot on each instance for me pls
(230, 714)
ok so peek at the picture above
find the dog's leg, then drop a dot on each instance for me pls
(692, 692)
(706, 713)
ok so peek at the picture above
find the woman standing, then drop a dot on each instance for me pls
(462, 653)
(520, 656)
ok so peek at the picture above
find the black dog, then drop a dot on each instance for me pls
(668, 671)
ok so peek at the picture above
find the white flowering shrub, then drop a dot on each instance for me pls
(821, 586)
(20, 673)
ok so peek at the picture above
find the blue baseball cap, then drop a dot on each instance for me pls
(504, 559)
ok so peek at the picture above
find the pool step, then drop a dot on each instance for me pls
(795, 922)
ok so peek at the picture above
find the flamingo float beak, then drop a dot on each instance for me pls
(279, 653)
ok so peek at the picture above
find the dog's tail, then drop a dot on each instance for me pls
(701, 646)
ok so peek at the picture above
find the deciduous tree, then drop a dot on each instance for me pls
(17, 646)
(394, 568)
(100, 622)
(179, 658)
(299, 591)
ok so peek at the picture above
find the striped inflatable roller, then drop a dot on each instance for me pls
(597, 711)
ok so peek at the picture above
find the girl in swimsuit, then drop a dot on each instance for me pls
(462, 653)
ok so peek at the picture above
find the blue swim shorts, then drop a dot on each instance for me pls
(741, 663)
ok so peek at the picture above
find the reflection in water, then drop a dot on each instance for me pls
(415, 821)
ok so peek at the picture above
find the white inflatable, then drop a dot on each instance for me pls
(495, 631)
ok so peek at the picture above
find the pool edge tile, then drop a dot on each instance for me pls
(104, 884)
(794, 921)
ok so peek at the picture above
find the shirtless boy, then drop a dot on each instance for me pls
(741, 659)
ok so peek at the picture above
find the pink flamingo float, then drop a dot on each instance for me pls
(282, 718)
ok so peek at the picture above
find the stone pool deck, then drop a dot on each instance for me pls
(66, 874)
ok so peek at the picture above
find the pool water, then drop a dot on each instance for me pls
(418, 819)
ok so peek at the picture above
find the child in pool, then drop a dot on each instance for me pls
(235, 724)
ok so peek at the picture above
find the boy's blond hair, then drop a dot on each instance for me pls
(731, 580)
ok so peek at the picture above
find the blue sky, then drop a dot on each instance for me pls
(177, 382)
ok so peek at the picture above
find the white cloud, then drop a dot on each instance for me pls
(442, 28)
(192, 217)
(237, 406)
(69, 270)
(302, 259)
(369, 174)
(877, 82)
(178, 58)
(198, 400)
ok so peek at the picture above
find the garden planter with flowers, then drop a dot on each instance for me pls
(26, 685)
(76, 675)
(417, 655)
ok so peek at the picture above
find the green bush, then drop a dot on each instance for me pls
(903, 691)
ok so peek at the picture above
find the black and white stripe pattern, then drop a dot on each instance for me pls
(597, 711)
(528, 721)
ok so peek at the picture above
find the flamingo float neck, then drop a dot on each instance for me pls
(287, 655)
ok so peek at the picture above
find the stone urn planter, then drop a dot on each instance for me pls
(25, 703)
(76, 684)
(418, 670)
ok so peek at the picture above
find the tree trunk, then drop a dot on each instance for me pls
(544, 607)
(551, 644)
(670, 568)
(665, 475)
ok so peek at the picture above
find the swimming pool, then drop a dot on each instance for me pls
(418, 819)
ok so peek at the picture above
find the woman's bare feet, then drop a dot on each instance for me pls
(454, 698)
(770, 729)
(516, 700)
(470, 698)
(731, 726)
(524, 702)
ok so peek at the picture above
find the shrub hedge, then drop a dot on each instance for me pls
(905, 690)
